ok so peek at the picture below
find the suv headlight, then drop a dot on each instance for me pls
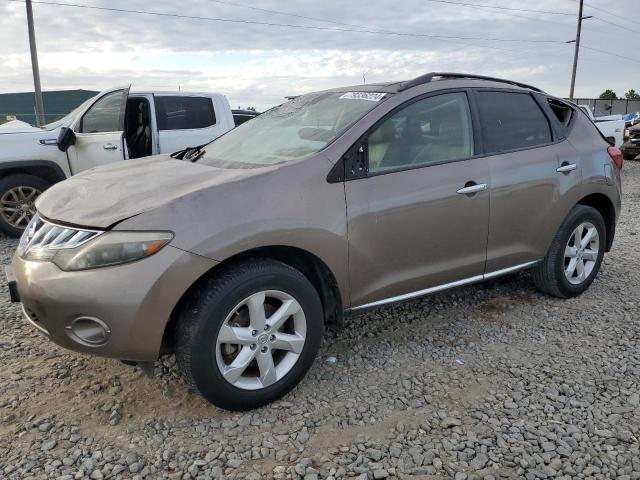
(110, 248)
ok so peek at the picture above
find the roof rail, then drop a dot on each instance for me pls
(428, 77)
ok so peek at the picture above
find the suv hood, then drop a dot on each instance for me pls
(106, 195)
(18, 126)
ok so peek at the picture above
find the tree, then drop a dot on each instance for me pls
(632, 95)
(608, 94)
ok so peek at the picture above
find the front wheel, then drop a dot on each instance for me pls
(575, 255)
(249, 334)
(18, 194)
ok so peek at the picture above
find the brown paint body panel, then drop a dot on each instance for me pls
(135, 300)
(529, 201)
(410, 230)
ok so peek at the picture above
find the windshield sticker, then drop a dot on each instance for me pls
(371, 96)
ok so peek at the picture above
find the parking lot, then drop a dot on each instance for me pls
(489, 381)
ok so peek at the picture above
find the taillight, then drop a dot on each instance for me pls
(616, 156)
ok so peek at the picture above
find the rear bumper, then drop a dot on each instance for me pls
(118, 312)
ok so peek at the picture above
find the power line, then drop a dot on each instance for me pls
(321, 19)
(609, 22)
(357, 29)
(502, 10)
(499, 7)
(627, 19)
(530, 52)
(278, 12)
(637, 60)
(288, 25)
(616, 24)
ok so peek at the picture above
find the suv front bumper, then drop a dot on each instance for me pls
(118, 311)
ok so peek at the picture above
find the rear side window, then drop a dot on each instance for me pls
(183, 113)
(511, 121)
(562, 111)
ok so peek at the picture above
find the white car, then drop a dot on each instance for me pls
(115, 125)
(611, 126)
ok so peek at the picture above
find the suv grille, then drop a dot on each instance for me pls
(43, 235)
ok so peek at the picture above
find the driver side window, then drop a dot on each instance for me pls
(430, 131)
(104, 115)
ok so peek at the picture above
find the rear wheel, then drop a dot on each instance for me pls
(575, 255)
(248, 335)
(18, 194)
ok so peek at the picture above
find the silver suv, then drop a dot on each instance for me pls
(336, 201)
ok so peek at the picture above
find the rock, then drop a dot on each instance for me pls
(48, 445)
(97, 475)
(549, 388)
(479, 461)
(115, 417)
(45, 426)
(449, 422)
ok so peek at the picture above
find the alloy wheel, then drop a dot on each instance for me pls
(17, 205)
(581, 253)
(260, 341)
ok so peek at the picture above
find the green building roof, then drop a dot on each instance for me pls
(56, 104)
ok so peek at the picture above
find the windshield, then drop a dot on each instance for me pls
(69, 116)
(291, 131)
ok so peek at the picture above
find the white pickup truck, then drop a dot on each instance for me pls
(115, 125)
(611, 126)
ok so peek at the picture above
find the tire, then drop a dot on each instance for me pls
(210, 309)
(628, 156)
(549, 275)
(10, 196)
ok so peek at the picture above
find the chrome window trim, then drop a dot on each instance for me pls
(446, 286)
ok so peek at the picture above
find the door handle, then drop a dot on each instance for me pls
(109, 146)
(470, 188)
(566, 167)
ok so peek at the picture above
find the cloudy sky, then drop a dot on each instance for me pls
(258, 64)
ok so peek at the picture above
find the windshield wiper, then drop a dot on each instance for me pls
(190, 154)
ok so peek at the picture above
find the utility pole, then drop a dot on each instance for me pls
(577, 50)
(34, 66)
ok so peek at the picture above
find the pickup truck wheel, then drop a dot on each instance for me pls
(575, 255)
(18, 195)
(248, 335)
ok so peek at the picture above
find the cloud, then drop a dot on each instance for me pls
(258, 65)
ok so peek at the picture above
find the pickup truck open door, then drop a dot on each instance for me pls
(99, 132)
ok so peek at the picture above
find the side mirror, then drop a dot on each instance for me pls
(351, 165)
(66, 138)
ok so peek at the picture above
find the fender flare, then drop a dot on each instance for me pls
(23, 166)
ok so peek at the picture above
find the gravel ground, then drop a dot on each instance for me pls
(489, 381)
